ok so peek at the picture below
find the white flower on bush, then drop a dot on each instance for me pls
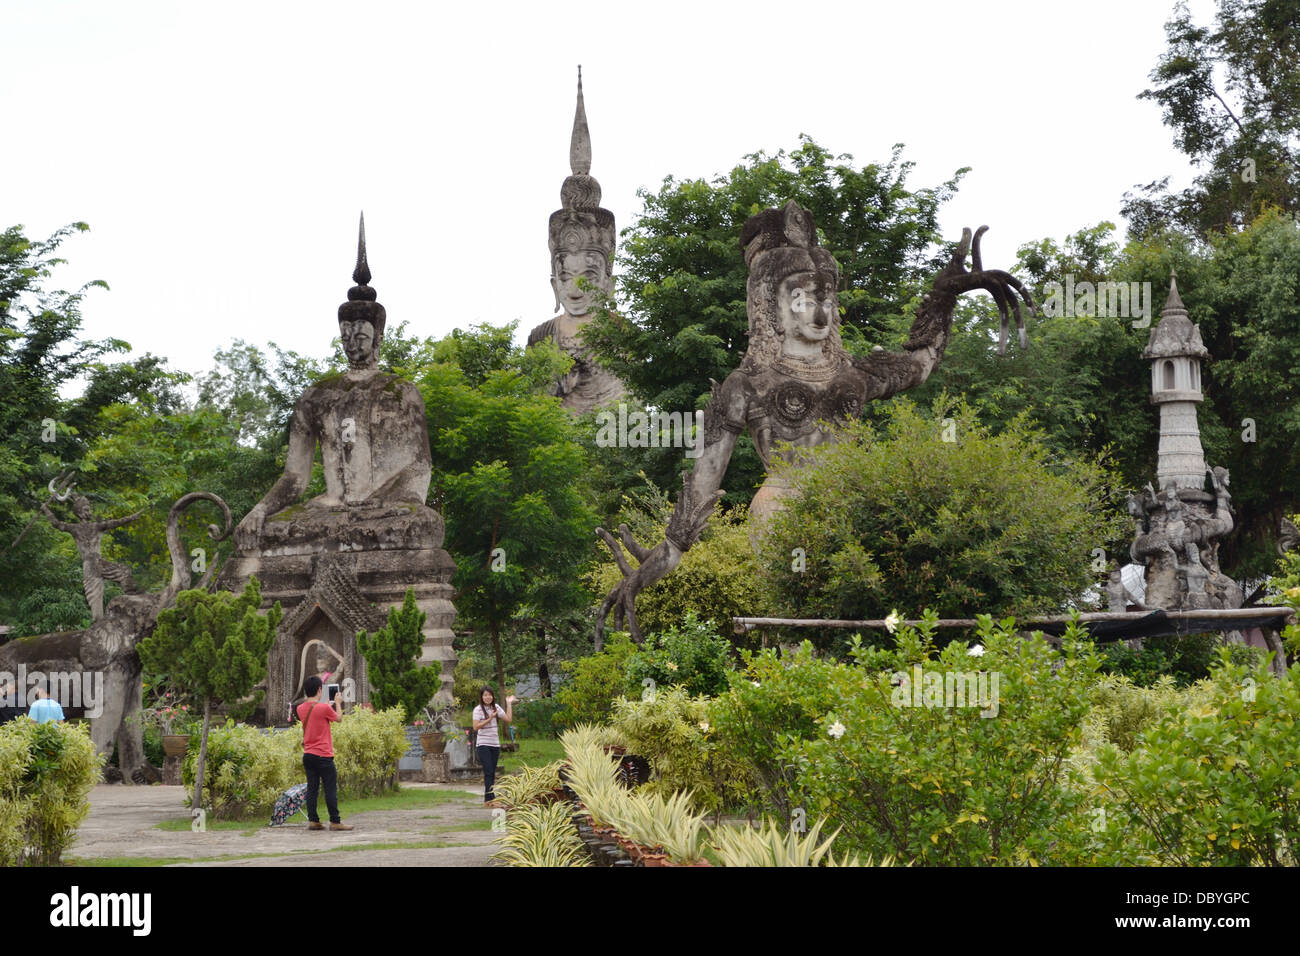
(704, 726)
(836, 730)
(755, 683)
(891, 622)
(671, 666)
(976, 651)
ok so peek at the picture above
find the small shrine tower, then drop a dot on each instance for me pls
(1175, 351)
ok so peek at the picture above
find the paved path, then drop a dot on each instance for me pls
(123, 819)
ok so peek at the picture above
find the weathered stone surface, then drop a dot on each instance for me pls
(581, 242)
(797, 380)
(338, 561)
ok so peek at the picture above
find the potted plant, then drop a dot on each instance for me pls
(173, 720)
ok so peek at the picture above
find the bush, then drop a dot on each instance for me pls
(1185, 658)
(775, 700)
(587, 697)
(937, 784)
(535, 718)
(46, 774)
(692, 656)
(249, 769)
(1217, 784)
(367, 746)
(672, 730)
(907, 520)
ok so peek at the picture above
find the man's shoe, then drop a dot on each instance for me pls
(339, 826)
(315, 825)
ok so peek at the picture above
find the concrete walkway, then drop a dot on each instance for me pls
(123, 819)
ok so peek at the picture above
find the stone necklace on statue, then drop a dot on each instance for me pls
(819, 369)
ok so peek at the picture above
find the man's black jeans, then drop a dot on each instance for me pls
(488, 757)
(321, 772)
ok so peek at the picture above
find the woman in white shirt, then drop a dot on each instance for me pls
(487, 717)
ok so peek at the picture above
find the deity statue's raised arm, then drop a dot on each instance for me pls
(797, 378)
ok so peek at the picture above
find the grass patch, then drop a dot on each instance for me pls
(125, 860)
(476, 825)
(532, 752)
(411, 799)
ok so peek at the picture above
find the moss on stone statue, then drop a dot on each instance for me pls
(289, 513)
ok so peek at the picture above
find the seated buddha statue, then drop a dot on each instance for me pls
(374, 444)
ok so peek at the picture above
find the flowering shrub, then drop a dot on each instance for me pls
(772, 703)
(886, 751)
(693, 656)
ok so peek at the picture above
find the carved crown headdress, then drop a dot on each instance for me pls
(581, 224)
(362, 301)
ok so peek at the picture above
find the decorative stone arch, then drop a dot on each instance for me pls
(333, 611)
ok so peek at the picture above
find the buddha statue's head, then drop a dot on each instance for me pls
(791, 296)
(362, 318)
(581, 236)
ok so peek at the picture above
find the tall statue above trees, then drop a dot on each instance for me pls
(582, 264)
(797, 380)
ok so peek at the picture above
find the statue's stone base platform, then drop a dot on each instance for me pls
(331, 595)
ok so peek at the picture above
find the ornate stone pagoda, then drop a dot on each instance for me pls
(581, 240)
(1178, 527)
(338, 561)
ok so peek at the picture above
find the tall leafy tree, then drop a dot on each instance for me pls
(1230, 92)
(214, 645)
(509, 479)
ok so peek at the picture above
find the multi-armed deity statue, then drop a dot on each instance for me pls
(1178, 527)
(336, 562)
(797, 380)
(582, 264)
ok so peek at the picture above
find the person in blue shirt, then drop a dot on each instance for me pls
(44, 708)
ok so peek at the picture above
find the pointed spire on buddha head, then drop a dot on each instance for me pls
(361, 343)
(581, 232)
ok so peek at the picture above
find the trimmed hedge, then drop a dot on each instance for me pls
(248, 768)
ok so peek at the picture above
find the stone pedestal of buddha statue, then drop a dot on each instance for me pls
(338, 561)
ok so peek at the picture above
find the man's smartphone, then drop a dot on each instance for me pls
(334, 691)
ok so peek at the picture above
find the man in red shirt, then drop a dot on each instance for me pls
(318, 753)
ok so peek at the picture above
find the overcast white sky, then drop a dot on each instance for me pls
(221, 152)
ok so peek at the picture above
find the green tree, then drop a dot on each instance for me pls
(392, 656)
(216, 646)
(1231, 94)
(509, 479)
(42, 434)
(683, 277)
(937, 511)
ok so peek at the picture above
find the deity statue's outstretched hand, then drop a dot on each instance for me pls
(250, 529)
(654, 564)
(956, 279)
